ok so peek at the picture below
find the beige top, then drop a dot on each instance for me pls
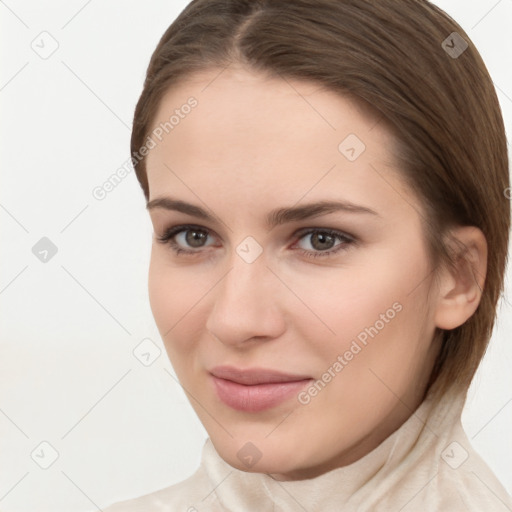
(426, 465)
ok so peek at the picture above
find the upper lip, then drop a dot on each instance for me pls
(250, 376)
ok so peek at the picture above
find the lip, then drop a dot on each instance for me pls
(251, 376)
(255, 389)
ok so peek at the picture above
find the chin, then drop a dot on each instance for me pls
(275, 464)
(262, 455)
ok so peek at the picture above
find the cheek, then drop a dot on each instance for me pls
(161, 290)
(368, 311)
(171, 297)
(343, 304)
(385, 352)
(177, 297)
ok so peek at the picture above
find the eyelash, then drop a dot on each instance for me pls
(170, 233)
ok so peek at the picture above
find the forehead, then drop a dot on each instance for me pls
(273, 137)
(245, 104)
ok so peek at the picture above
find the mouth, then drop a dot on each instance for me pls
(255, 389)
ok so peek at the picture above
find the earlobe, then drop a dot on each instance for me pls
(460, 286)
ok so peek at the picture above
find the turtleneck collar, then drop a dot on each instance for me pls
(424, 435)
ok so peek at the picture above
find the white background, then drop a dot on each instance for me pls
(68, 375)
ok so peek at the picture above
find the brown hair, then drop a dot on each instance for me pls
(401, 57)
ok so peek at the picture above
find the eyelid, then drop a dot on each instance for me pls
(338, 232)
(301, 231)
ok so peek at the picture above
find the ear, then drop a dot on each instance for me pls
(460, 288)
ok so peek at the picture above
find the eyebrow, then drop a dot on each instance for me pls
(274, 218)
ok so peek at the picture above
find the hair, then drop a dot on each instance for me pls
(393, 55)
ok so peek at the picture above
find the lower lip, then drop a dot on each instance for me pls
(257, 397)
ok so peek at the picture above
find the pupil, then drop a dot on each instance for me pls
(194, 238)
(322, 237)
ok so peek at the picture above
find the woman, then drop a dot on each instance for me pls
(326, 181)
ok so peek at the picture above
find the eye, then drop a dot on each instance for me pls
(322, 241)
(184, 236)
(189, 239)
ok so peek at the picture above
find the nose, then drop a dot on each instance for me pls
(247, 304)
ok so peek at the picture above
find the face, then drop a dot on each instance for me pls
(289, 274)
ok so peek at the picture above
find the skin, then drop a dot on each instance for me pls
(254, 144)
